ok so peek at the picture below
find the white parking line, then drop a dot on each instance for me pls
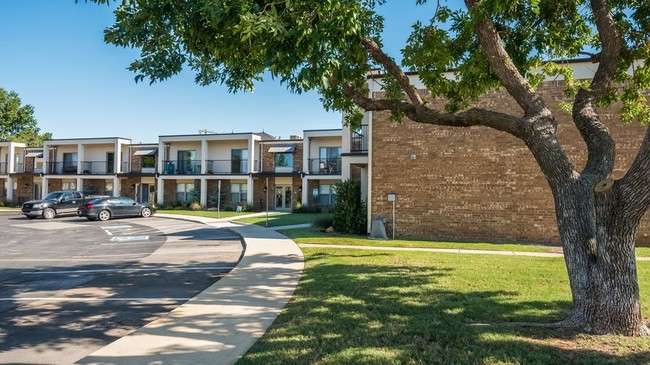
(89, 299)
(171, 268)
(117, 227)
(129, 238)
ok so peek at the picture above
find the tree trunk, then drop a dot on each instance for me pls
(598, 242)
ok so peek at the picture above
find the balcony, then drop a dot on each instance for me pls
(22, 168)
(60, 168)
(97, 167)
(227, 167)
(3, 168)
(330, 166)
(359, 140)
(182, 167)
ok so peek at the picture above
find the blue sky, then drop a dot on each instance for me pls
(53, 55)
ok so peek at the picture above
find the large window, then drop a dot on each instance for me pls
(238, 193)
(69, 186)
(330, 160)
(238, 161)
(284, 160)
(326, 194)
(108, 188)
(184, 192)
(148, 161)
(187, 162)
(69, 162)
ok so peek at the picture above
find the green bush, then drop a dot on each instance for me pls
(324, 222)
(310, 209)
(195, 206)
(349, 213)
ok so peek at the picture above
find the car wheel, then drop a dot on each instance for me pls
(30, 216)
(49, 213)
(146, 212)
(104, 215)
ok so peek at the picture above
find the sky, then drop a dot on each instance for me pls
(52, 53)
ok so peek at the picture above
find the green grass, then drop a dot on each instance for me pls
(284, 219)
(643, 251)
(314, 236)
(376, 307)
(202, 213)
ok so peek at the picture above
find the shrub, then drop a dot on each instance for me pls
(304, 209)
(195, 206)
(349, 212)
(324, 222)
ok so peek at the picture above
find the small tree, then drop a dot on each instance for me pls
(349, 214)
(215, 198)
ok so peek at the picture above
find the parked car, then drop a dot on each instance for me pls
(53, 204)
(112, 207)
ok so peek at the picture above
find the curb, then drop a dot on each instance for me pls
(220, 324)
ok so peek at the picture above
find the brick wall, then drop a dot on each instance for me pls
(213, 190)
(29, 164)
(268, 158)
(94, 187)
(25, 189)
(127, 186)
(169, 194)
(55, 185)
(3, 193)
(478, 184)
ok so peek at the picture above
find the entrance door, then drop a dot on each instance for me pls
(37, 191)
(143, 194)
(283, 197)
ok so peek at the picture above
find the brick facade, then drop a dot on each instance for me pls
(3, 192)
(55, 185)
(94, 187)
(213, 191)
(127, 186)
(478, 184)
(24, 189)
(268, 158)
(169, 194)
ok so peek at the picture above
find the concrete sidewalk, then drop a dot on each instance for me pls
(219, 325)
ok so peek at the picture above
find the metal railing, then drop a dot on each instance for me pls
(226, 167)
(359, 139)
(59, 168)
(3, 168)
(331, 166)
(97, 167)
(181, 167)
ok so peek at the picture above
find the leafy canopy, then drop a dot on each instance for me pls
(316, 45)
(17, 122)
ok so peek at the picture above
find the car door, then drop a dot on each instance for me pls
(68, 204)
(130, 207)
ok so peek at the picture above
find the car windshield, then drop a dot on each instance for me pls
(52, 196)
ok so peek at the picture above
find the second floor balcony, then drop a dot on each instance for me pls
(331, 166)
(227, 167)
(87, 168)
(181, 167)
(359, 139)
(3, 168)
(22, 168)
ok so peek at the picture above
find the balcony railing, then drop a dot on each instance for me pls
(181, 167)
(359, 140)
(22, 168)
(3, 168)
(97, 167)
(58, 168)
(330, 166)
(227, 167)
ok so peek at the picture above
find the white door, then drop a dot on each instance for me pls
(283, 197)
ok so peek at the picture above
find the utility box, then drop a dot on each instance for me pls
(378, 229)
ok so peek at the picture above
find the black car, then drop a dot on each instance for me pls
(111, 207)
(53, 204)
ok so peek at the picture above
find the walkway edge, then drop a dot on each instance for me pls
(219, 325)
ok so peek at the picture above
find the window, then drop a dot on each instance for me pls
(148, 161)
(238, 193)
(69, 186)
(69, 162)
(184, 192)
(284, 160)
(330, 160)
(108, 188)
(326, 195)
(110, 162)
(187, 163)
(238, 161)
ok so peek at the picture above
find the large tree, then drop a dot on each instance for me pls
(17, 121)
(331, 46)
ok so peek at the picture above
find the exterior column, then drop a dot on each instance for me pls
(204, 190)
(46, 162)
(117, 186)
(11, 167)
(80, 161)
(117, 163)
(160, 192)
(45, 189)
(249, 191)
(161, 157)
(251, 159)
(305, 192)
(204, 163)
(306, 141)
(10, 189)
(80, 184)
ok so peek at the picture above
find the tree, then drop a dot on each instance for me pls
(330, 46)
(349, 212)
(17, 122)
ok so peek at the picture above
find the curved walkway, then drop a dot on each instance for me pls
(219, 325)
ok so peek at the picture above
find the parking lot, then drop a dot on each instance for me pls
(69, 286)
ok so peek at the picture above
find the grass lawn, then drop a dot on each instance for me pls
(375, 307)
(314, 236)
(202, 213)
(284, 219)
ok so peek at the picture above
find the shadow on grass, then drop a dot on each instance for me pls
(352, 309)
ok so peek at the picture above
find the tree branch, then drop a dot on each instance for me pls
(635, 185)
(383, 59)
(423, 114)
(600, 145)
(501, 63)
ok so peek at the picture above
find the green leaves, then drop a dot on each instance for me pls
(17, 121)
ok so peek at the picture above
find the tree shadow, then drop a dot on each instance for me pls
(360, 313)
